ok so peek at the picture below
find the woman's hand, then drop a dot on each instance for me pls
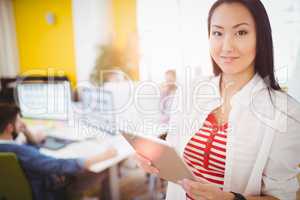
(146, 164)
(203, 190)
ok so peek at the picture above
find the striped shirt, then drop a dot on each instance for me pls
(205, 153)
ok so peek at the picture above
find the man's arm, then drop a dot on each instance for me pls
(32, 159)
(31, 138)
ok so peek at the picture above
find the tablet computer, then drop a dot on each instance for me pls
(162, 155)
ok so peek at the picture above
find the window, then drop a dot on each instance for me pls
(173, 35)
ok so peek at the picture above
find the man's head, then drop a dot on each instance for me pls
(10, 122)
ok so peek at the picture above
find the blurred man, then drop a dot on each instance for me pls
(40, 169)
(167, 91)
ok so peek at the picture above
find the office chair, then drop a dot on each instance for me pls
(13, 182)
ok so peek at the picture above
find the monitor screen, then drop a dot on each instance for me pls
(99, 109)
(44, 100)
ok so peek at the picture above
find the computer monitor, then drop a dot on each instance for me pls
(99, 109)
(44, 100)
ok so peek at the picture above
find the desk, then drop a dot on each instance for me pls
(136, 115)
(86, 147)
(91, 141)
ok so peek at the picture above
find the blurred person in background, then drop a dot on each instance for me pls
(167, 92)
(46, 175)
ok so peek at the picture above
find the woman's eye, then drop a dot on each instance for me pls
(216, 33)
(241, 33)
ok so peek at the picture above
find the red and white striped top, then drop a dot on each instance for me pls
(205, 153)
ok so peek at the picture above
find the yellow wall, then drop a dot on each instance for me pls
(125, 30)
(42, 45)
(124, 16)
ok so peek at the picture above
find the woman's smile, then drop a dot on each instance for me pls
(228, 59)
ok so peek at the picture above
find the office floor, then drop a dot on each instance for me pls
(134, 184)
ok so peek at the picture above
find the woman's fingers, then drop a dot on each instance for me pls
(146, 164)
(142, 159)
(193, 188)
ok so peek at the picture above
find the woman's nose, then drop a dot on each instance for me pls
(228, 44)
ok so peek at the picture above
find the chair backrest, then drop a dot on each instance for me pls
(13, 183)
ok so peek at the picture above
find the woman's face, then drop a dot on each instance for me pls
(233, 38)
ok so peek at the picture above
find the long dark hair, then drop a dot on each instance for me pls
(264, 59)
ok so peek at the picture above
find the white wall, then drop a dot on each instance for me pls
(293, 83)
(92, 21)
(285, 22)
(175, 37)
(9, 63)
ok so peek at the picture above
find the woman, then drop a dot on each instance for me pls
(241, 135)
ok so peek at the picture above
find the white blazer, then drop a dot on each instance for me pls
(263, 142)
